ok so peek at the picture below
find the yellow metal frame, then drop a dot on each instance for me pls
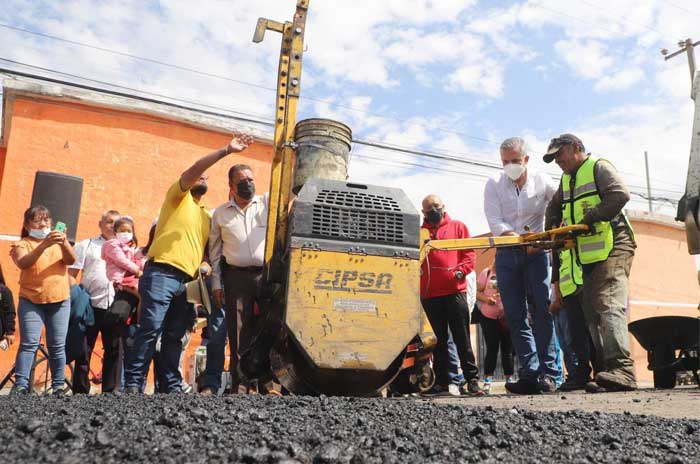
(287, 100)
(562, 237)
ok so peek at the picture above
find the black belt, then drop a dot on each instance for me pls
(168, 268)
(244, 269)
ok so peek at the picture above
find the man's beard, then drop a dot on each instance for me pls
(199, 190)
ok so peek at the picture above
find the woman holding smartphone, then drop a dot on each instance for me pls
(43, 257)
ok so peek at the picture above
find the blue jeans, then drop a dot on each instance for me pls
(32, 318)
(166, 313)
(216, 349)
(561, 325)
(456, 377)
(520, 276)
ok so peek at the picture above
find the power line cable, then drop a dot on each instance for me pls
(238, 81)
(370, 143)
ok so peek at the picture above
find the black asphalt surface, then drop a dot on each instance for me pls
(255, 429)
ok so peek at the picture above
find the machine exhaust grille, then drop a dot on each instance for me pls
(353, 199)
(357, 216)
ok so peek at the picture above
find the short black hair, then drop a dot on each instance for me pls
(237, 167)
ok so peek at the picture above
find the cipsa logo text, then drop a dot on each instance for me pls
(353, 281)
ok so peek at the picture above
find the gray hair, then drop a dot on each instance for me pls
(106, 214)
(515, 144)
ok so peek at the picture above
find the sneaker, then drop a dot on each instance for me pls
(510, 379)
(472, 388)
(453, 389)
(58, 393)
(131, 391)
(547, 384)
(16, 391)
(616, 380)
(206, 391)
(487, 385)
(523, 387)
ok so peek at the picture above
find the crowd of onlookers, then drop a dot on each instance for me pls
(528, 302)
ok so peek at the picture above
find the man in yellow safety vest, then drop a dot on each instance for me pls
(591, 192)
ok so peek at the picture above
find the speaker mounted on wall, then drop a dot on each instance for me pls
(62, 195)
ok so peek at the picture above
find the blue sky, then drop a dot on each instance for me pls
(449, 76)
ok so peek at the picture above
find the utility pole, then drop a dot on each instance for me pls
(646, 164)
(689, 206)
(688, 47)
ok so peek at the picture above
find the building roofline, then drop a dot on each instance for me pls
(43, 88)
(653, 218)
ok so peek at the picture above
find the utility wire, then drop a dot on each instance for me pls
(238, 81)
(369, 143)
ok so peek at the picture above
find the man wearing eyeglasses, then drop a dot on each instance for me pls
(591, 192)
(174, 258)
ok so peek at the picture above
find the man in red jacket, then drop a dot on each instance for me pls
(444, 295)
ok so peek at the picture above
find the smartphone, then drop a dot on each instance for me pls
(60, 227)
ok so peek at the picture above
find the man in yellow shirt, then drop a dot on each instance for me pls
(173, 259)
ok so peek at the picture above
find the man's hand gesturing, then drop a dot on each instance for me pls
(239, 142)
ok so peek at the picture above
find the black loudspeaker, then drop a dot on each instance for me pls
(61, 194)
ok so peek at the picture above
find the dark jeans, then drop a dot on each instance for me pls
(166, 313)
(496, 335)
(110, 361)
(241, 292)
(216, 348)
(451, 311)
(579, 340)
(521, 275)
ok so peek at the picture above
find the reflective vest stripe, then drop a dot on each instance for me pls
(593, 246)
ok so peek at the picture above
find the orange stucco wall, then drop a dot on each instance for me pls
(127, 161)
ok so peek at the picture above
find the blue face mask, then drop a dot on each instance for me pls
(39, 234)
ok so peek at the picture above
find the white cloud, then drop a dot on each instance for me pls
(621, 80)
(587, 59)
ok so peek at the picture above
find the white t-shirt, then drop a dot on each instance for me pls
(88, 258)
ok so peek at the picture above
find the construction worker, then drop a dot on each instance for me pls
(592, 193)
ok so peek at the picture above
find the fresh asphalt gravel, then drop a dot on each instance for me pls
(256, 429)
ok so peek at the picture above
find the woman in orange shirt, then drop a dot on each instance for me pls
(43, 257)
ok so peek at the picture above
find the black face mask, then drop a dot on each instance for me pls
(245, 189)
(199, 190)
(434, 216)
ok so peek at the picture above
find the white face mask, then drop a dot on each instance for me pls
(125, 237)
(39, 234)
(514, 171)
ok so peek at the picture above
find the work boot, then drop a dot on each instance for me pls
(592, 387)
(617, 380)
(523, 387)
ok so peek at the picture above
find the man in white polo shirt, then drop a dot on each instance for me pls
(237, 252)
(94, 280)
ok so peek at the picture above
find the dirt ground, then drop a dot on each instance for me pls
(680, 402)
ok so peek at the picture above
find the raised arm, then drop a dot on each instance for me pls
(238, 143)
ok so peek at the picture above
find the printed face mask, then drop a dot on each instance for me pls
(125, 237)
(245, 189)
(39, 234)
(514, 171)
